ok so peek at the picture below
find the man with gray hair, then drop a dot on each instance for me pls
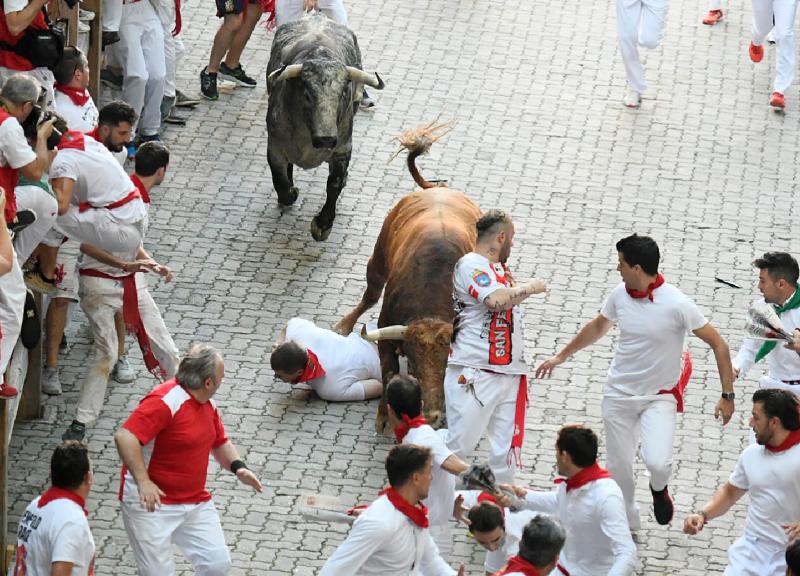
(539, 549)
(18, 97)
(164, 447)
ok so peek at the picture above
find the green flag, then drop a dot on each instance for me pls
(767, 347)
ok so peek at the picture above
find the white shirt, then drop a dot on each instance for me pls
(441, 495)
(346, 360)
(10, 6)
(651, 339)
(14, 148)
(99, 179)
(80, 118)
(515, 523)
(384, 542)
(485, 339)
(56, 532)
(598, 535)
(782, 364)
(771, 479)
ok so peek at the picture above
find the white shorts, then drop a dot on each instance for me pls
(67, 272)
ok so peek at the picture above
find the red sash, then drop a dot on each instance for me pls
(408, 423)
(132, 195)
(793, 439)
(683, 381)
(647, 293)
(515, 451)
(141, 188)
(79, 96)
(55, 493)
(312, 370)
(133, 319)
(517, 564)
(9, 177)
(178, 21)
(417, 514)
(586, 475)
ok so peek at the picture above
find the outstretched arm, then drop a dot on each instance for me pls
(722, 501)
(588, 335)
(506, 298)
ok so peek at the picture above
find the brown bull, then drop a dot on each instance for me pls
(420, 242)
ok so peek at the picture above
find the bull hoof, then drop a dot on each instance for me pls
(290, 198)
(343, 328)
(317, 233)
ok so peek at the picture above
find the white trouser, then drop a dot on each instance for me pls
(112, 14)
(752, 556)
(100, 299)
(486, 403)
(195, 528)
(442, 536)
(99, 228)
(291, 10)
(783, 12)
(639, 23)
(173, 54)
(43, 75)
(46, 208)
(767, 382)
(141, 52)
(12, 306)
(627, 419)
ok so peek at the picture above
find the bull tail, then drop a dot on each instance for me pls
(418, 141)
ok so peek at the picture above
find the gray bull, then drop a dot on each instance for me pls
(315, 81)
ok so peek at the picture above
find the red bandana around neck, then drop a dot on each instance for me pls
(517, 564)
(486, 497)
(417, 514)
(312, 370)
(79, 96)
(408, 423)
(55, 493)
(141, 188)
(647, 293)
(792, 440)
(588, 474)
(72, 139)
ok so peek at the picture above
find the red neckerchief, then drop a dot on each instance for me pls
(141, 188)
(55, 493)
(79, 96)
(586, 475)
(408, 423)
(72, 140)
(417, 514)
(683, 380)
(486, 497)
(517, 564)
(793, 439)
(647, 293)
(94, 133)
(312, 370)
(519, 422)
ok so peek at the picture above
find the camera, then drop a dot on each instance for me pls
(36, 118)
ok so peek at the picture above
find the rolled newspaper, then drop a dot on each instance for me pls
(324, 508)
(763, 324)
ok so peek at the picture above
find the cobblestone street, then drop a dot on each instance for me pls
(705, 167)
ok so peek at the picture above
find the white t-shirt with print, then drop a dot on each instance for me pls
(14, 148)
(80, 118)
(485, 339)
(651, 339)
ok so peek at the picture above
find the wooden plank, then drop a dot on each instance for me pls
(95, 55)
(3, 480)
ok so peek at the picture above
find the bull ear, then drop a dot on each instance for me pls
(286, 72)
(357, 75)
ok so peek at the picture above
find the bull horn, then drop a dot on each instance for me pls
(357, 75)
(284, 73)
(396, 332)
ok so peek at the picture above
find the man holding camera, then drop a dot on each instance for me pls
(18, 97)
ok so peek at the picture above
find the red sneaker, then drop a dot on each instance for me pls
(756, 52)
(777, 100)
(713, 17)
(7, 390)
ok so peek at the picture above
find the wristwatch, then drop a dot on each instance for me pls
(728, 395)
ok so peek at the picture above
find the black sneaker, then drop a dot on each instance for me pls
(236, 75)
(208, 84)
(76, 431)
(662, 506)
(111, 78)
(22, 220)
(110, 37)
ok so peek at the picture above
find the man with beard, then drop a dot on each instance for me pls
(485, 384)
(644, 389)
(768, 470)
(777, 282)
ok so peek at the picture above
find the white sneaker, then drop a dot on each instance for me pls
(633, 99)
(123, 373)
(85, 15)
(83, 27)
(51, 384)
